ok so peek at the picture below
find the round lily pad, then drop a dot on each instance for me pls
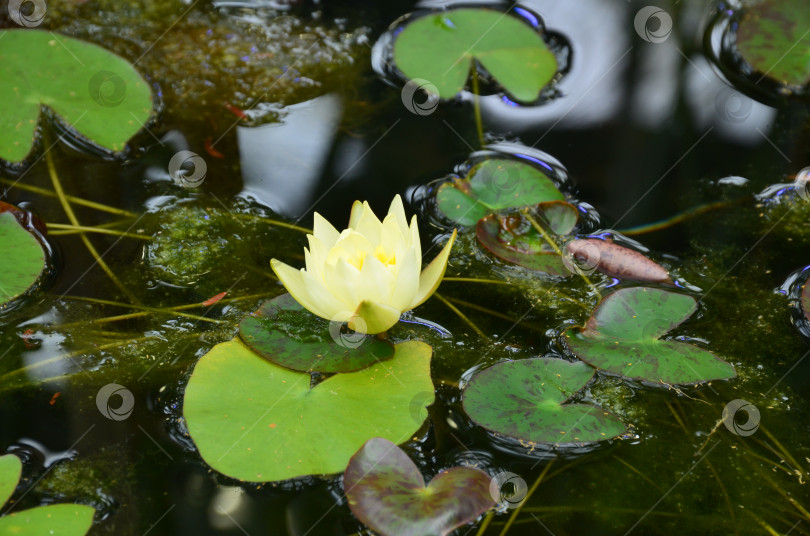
(440, 48)
(289, 335)
(495, 184)
(23, 260)
(254, 420)
(387, 493)
(513, 239)
(772, 37)
(623, 337)
(525, 400)
(560, 216)
(97, 97)
(57, 519)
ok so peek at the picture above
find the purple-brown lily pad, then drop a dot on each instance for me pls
(806, 300)
(285, 333)
(387, 493)
(513, 239)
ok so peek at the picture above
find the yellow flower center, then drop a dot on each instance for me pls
(379, 253)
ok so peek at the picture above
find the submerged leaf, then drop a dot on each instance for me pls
(289, 335)
(440, 48)
(525, 400)
(96, 96)
(623, 336)
(493, 185)
(254, 420)
(22, 261)
(513, 239)
(773, 38)
(387, 493)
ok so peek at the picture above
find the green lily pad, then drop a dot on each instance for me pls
(440, 48)
(56, 519)
(289, 335)
(513, 239)
(772, 37)
(623, 336)
(560, 216)
(525, 400)
(493, 185)
(96, 96)
(254, 420)
(387, 493)
(22, 261)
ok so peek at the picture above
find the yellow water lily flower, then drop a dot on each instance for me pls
(367, 275)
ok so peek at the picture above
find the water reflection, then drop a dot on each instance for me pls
(282, 162)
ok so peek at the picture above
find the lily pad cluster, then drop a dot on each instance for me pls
(256, 414)
(60, 519)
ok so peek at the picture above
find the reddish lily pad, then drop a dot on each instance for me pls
(525, 400)
(623, 337)
(773, 38)
(387, 493)
(616, 261)
(513, 239)
(23, 259)
(494, 185)
(806, 300)
(289, 335)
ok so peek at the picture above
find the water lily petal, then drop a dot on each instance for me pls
(343, 281)
(433, 273)
(307, 291)
(369, 225)
(377, 282)
(397, 211)
(315, 256)
(354, 217)
(372, 317)
(407, 280)
(352, 247)
(324, 231)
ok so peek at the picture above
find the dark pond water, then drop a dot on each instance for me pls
(646, 131)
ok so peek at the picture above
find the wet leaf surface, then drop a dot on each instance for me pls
(616, 261)
(22, 261)
(96, 96)
(56, 519)
(526, 399)
(256, 421)
(806, 301)
(387, 493)
(513, 239)
(289, 335)
(493, 185)
(773, 38)
(623, 337)
(441, 47)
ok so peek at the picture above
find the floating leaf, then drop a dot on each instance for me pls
(493, 185)
(616, 261)
(623, 336)
(440, 48)
(289, 335)
(806, 300)
(513, 239)
(57, 519)
(256, 421)
(560, 216)
(525, 400)
(772, 37)
(22, 261)
(97, 96)
(387, 493)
